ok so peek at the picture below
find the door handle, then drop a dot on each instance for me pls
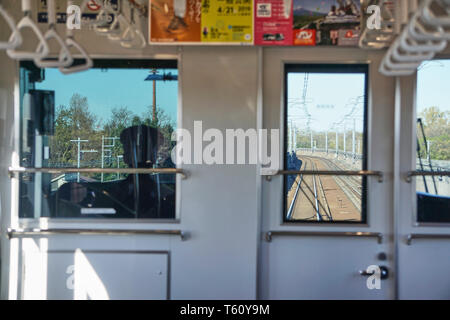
(384, 273)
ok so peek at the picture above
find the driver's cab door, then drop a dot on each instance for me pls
(328, 236)
(95, 182)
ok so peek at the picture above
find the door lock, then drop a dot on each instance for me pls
(384, 273)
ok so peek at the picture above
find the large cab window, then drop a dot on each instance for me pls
(120, 114)
(433, 141)
(325, 130)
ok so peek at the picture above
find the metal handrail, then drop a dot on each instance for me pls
(270, 234)
(13, 170)
(412, 236)
(378, 174)
(412, 174)
(14, 233)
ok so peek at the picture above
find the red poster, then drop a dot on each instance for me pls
(273, 22)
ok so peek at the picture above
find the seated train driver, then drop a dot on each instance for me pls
(136, 196)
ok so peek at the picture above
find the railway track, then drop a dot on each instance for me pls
(312, 195)
(312, 190)
(327, 208)
(352, 186)
(294, 199)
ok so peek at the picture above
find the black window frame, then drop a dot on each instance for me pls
(25, 85)
(328, 68)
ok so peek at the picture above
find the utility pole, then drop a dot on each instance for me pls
(312, 142)
(154, 71)
(107, 148)
(79, 141)
(345, 145)
(354, 140)
(291, 136)
(337, 142)
(118, 166)
(295, 140)
(326, 141)
(154, 76)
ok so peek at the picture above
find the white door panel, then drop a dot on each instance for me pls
(322, 268)
(424, 269)
(423, 263)
(95, 275)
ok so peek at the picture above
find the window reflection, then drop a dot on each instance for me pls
(109, 117)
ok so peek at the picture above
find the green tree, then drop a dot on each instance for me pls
(437, 130)
(73, 122)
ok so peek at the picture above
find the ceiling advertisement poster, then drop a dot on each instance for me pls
(259, 22)
(273, 22)
(90, 11)
(175, 21)
(327, 22)
(227, 21)
(201, 21)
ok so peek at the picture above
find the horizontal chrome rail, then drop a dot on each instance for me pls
(363, 173)
(412, 236)
(14, 233)
(14, 170)
(412, 174)
(270, 234)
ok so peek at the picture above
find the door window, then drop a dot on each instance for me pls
(326, 125)
(433, 141)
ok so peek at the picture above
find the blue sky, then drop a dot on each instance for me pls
(339, 90)
(107, 89)
(126, 87)
(433, 85)
(331, 100)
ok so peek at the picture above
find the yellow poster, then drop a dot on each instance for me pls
(227, 21)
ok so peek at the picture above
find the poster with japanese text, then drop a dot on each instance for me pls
(333, 22)
(90, 10)
(175, 21)
(227, 21)
(273, 22)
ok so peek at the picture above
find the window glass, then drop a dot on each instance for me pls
(433, 141)
(325, 131)
(120, 114)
